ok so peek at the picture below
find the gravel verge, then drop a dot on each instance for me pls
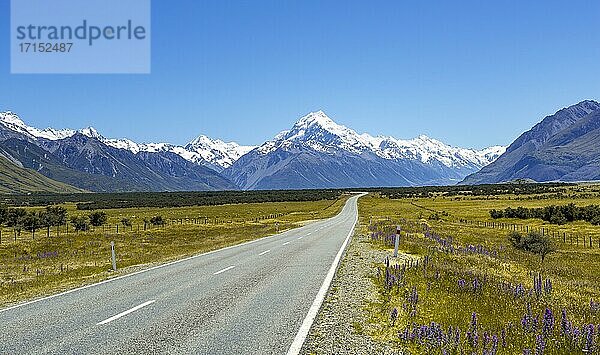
(342, 325)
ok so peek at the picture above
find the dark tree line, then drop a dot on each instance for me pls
(552, 214)
(475, 190)
(96, 201)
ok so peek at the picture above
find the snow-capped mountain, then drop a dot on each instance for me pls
(203, 150)
(86, 159)
(317, 152)
(319, 132)
(218, 153)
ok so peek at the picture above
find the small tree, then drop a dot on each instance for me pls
(157, 221)
(15, 218)
(533, 242)
(31, 222)
(98, 218)
(80, 223)
(55, 217)
(125, 222)
(515, 239)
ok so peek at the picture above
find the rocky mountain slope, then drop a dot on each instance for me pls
(562, 147)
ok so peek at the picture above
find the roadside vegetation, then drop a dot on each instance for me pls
(473, 284)
(47, 249)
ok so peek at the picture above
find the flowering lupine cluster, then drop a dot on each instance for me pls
(448, 245)
(529, 322)
(584, 338)
(432, 336)
(517, 291)
(47, 254)
(392, 275)
(445, 244)
(475, 286)
(539, 332)
(450, 340)
(384, 233)
(541, 287)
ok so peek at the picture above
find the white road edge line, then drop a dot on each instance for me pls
(149, 269)
(286, 243)
(316, 305)
(264, 252)
(223, 270)
(115, 317)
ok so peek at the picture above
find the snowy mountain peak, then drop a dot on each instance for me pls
(316, 121)
(318, 118)
(91, 132)
(11, 118)
(219, 154)
(14, 123)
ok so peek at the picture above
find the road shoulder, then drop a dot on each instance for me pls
(342, 324)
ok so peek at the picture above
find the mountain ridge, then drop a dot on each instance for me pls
(561, 147)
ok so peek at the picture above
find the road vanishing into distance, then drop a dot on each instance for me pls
(258, 297)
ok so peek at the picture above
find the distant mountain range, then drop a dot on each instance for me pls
(562, 147)
(315, 153)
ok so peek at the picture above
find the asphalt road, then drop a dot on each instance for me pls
(248, 299)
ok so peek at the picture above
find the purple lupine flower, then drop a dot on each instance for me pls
(594, 306)
(394, 316)
(548, 321)
(589, 338)
(540, 345)
(564, 323)
(503, 336)
(494, 349)
(548, 286)
(473, 330)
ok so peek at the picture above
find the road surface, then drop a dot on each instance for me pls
(254, 298)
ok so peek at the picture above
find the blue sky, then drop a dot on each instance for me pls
(470, 73)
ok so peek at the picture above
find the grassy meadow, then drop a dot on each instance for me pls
(466, 290)
(35, 265)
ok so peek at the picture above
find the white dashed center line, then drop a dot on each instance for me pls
(264, 252)
(115, 317)
(286, 243)
(300, 238)
(225, 269)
